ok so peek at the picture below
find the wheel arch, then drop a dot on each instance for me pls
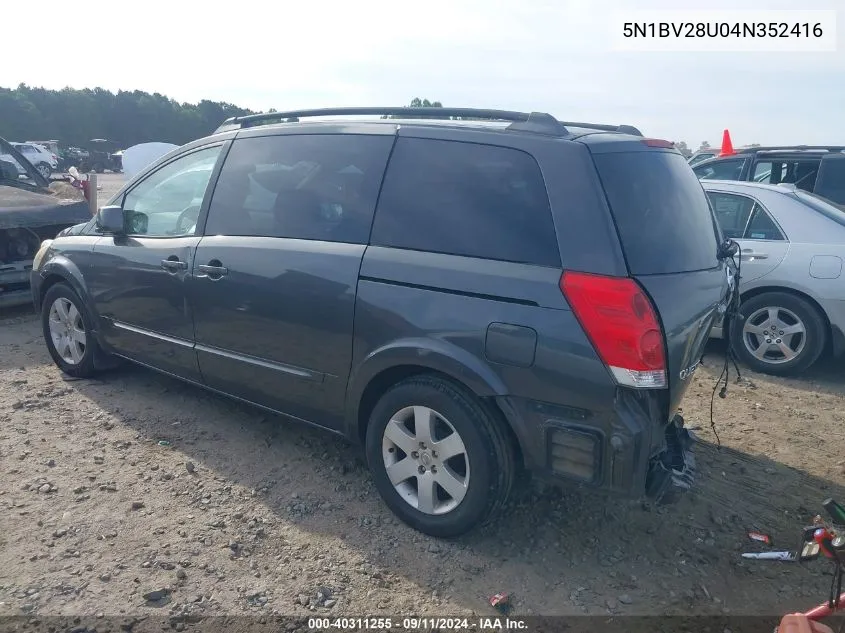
(391, 365)
(61, 269)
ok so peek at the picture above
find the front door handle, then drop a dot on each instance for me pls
(213, 270)
(173, 264)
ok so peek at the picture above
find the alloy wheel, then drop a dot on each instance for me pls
(67, 331)
(774, 335)
(426, 460)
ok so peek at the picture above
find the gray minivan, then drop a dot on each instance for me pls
(465, 293)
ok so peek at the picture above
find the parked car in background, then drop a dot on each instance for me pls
(702, 154)
(29, 214)
(43, 160)
(101, 155)
(792, 248)
(50, 146)
(465, 298)
(819, 170)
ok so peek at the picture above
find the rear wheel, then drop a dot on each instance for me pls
(98, 167)
(778, 333)
(67, 331)
(441, 462)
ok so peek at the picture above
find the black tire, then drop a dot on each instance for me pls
(791, 309)
(98, 167)
(84, 366)
(45, 170)
(490, 455)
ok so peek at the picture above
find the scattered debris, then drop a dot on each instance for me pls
(158, 595)
(501, 602)
(760, 537)
(782, 556)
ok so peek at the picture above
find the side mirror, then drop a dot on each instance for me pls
(728, 249)
(111, 220)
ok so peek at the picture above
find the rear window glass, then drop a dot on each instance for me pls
(466, 199)
(827, 208)
(661, 211)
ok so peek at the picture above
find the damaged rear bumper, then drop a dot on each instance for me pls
(672, 472)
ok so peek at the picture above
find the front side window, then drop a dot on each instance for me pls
(466, 199)
(167, 203)
(314, 187)
(726, 169)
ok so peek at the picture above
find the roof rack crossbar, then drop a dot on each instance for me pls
(622, 129)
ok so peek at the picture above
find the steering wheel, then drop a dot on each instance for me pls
(187, 219)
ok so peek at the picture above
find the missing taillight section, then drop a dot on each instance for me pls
(622, 324)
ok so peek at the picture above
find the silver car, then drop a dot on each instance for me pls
(793, 291)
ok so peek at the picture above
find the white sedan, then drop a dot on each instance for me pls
(792, 247)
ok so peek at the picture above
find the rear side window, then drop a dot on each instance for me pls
(313, 187)
(661, 211)
(466, 199)
(762, 226)
(801, 173)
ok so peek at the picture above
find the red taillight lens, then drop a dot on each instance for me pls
(622, 325)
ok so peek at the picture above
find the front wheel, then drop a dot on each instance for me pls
(778, 333)
(68, 331)
(440, 460)
(45, 170)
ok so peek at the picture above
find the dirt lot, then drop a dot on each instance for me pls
(133, 483)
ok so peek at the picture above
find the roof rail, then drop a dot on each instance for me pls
(621, 129)
(776, 148)
(534, 121)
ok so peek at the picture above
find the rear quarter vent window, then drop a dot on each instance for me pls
(661, 212)
(466, 199)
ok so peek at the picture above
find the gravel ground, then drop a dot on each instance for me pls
(135, 483)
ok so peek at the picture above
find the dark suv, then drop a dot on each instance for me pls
(465, 298)
(817, 169)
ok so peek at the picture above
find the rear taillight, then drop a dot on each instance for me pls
(622, 325)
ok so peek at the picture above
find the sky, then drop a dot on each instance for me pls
(555, 56)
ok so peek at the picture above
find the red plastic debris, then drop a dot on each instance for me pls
(760, 537)
(501, 602)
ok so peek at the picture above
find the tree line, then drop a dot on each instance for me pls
(74, 117)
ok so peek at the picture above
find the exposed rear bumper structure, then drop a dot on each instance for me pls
(672, 472)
